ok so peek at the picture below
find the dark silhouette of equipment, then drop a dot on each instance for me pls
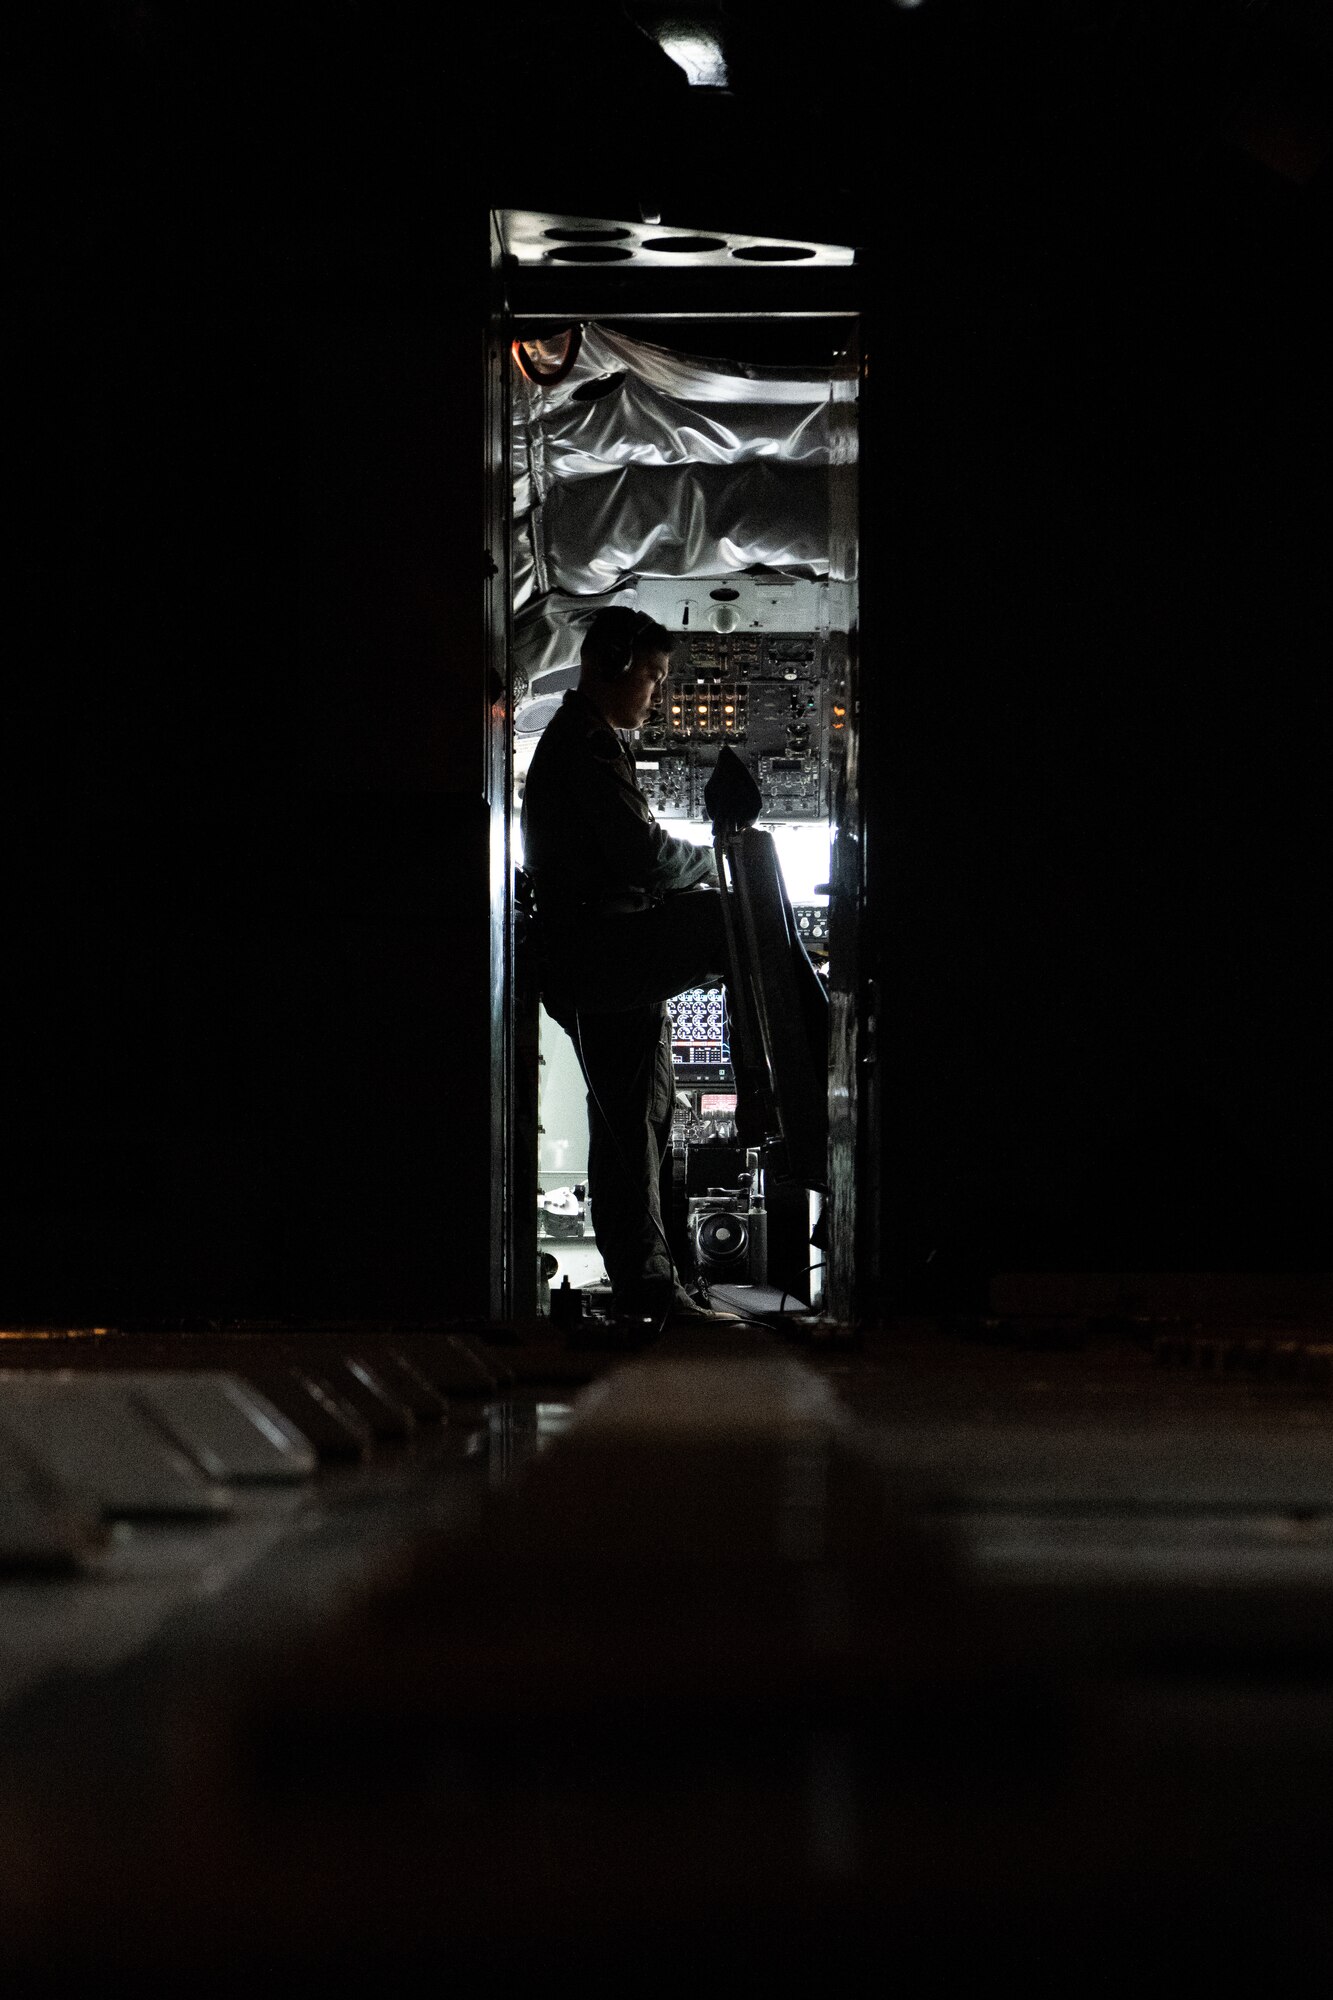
(779, 1008)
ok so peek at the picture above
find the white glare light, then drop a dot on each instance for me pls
(699, 54)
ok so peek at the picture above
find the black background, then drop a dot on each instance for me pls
(247, 878)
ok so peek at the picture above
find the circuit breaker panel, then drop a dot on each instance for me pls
(774, 697)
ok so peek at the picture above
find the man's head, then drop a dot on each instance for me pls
(625, 658)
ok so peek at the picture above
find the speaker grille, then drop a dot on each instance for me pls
(723, 1239)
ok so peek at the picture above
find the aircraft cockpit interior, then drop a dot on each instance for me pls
(656, 466)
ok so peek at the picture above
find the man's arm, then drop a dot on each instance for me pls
(634, 848)
(680, 864)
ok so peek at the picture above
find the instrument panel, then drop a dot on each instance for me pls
(701, 1037)
(771, 696)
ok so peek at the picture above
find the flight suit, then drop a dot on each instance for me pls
(625, 922)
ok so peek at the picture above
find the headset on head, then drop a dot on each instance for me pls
(617, 660)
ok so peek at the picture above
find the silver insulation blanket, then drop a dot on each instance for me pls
(645, 462)
(684, 521)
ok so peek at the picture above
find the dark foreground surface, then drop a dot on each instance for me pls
(1004, 1646)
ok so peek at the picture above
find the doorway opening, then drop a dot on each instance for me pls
(699, 468)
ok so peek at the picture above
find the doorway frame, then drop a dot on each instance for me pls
(533, 300)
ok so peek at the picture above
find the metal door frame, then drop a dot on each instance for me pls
(559, 295)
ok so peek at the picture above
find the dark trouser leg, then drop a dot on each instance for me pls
(628, 1062)
(619, 970)
(634, 961)
(621, 962)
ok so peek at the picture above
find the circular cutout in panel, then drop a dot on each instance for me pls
(772, 253)
(591, 253)
(587, 235)
(684, 246)
(725, 594)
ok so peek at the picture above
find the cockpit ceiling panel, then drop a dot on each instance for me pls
(536, 240)
(548, 635)
(579, 266)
